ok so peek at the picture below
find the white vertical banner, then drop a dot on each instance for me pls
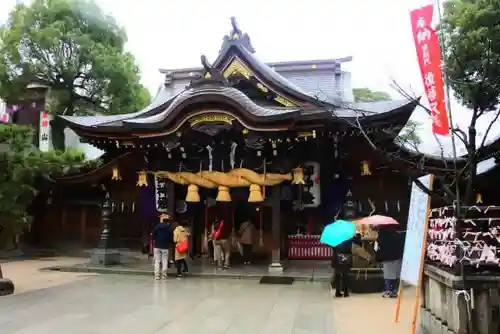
(44, 132)
(4, 115)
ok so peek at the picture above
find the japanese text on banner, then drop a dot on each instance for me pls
(44, 133)
(429, 59)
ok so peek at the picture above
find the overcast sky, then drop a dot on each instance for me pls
(377, 34)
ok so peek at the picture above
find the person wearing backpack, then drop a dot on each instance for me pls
(221, 232)
(162, 238)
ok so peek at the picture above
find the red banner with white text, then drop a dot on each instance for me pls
(429, 59)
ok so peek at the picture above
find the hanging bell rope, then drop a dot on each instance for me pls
(116, 174)
(142, 179)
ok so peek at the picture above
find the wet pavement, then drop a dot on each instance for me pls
(136, 304)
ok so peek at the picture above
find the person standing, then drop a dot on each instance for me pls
(162, 241)
(342, 263)
(245, 233)
(180, 237)
(221, 233)
(389, 251)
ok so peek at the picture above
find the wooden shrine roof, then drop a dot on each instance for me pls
(287, 104)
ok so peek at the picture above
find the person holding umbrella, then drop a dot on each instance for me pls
(341, 235)
(389, 249)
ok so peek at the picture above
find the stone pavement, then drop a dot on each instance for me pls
(369, 313)
(27, 276)
(136, 304)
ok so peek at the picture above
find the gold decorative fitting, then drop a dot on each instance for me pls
(262, 87)
(255, 194)
(116, 174)
(192, 195)
(223, 195)
(245, 131)
(479, 198)
(207, 76)
(142, 179)
(284, 101)
(365, 168)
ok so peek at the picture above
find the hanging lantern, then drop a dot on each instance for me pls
(479, 198)
(298, 176)
(116, 174)
(255, 194)
(365, 168)
(223, 195)
(142, 179)
(192, 195)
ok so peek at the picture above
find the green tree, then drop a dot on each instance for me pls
(21, 166)
(368, 95)
(470, 31)
(78, 52)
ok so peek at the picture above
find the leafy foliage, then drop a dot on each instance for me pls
(471, 31)
(408, 137)
(75, 49)
(368, 95)
(21, 165)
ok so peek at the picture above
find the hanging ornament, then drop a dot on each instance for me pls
(223, 195)
(255, 194)
(298, 176)
(142, 179)
(116, 174)
(479, 198)
(192, 195)
(365, 168)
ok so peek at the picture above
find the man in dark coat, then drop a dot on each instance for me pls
(163, 241)
(390, 248)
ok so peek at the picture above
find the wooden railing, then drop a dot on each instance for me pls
(307, 247)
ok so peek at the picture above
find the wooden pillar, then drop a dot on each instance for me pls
(275, 265)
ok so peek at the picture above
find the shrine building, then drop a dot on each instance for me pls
(281, 144)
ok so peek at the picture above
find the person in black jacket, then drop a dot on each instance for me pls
(163, 241)
(390, 248)
(342, 264)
